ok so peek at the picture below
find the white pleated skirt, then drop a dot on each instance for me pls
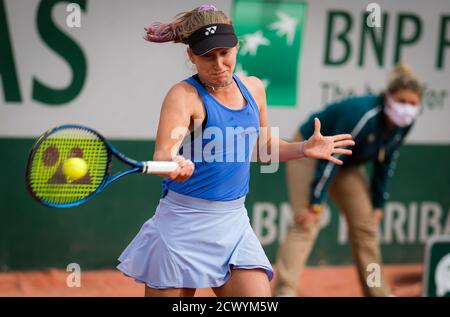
(193, 243)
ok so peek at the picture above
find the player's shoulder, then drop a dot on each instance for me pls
(182, 97)
(253, 83)
(256, 88)
(181, 89)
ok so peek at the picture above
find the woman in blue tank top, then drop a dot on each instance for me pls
(211, 123)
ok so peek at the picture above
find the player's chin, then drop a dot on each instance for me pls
(221, 77)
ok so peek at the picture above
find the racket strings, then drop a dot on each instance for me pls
(46, 178)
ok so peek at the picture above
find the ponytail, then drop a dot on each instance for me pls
(184, 24)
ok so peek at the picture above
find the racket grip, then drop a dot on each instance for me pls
(152, 167)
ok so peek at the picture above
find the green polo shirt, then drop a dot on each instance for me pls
(364, 118)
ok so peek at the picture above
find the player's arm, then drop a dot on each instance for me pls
(267, 145)
(317, 146)
(174, 120)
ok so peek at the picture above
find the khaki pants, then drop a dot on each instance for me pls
(349, 191)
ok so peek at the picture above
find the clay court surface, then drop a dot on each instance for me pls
(405, 280)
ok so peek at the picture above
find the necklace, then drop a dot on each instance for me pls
(214, 87)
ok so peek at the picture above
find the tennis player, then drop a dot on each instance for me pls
(200, 235)
(379, 124)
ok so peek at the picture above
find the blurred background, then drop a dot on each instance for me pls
(95, 69)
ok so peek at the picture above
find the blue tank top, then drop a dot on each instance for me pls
(222, 153)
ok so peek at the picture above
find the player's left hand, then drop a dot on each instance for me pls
(324, 147)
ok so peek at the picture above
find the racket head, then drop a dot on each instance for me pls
(45, 179)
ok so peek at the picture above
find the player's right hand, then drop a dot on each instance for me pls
(184, 171)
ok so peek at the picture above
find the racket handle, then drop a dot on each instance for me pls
(152, 167)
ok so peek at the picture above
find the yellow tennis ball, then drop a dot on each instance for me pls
(75, 168)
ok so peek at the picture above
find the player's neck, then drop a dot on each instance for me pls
(213, 88)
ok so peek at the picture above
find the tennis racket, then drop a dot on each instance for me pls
(45, 174)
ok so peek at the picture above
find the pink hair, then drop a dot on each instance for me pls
(161, 32)
(184, 24)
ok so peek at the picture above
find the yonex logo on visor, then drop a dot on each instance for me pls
(212, 36)
(211, 30)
